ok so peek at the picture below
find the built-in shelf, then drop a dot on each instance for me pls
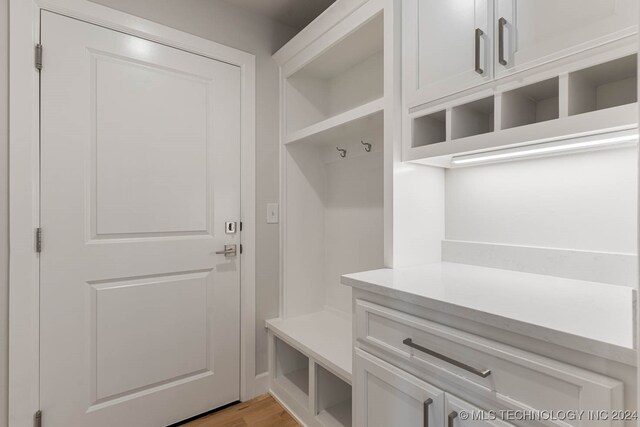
(324, 336)
(603, 86)
(349, 123)
(596, 100)
(430, 129)
(530, 104)
(333, 399)
(347, 75)
(336, 416)
(473, 118)
(292, 372)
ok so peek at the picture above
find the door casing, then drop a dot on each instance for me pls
(24, 191)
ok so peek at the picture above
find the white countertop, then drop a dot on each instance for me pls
(587, 316)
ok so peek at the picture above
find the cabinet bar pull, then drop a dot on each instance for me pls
(452, 416)
(484, 374)
(425, 411)
(479, 34)
(501, 24)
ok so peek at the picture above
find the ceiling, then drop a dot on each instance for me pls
(294, 13)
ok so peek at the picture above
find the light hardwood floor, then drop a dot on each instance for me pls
(262, 411)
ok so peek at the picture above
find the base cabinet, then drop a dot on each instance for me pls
(410, 371)
(388, 396)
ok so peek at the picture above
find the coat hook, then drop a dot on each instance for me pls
(367, 146)
(342, 151)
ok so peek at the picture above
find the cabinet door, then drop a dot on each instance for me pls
(448, 47)
(539, 31)
(459, 413)
(387, 396)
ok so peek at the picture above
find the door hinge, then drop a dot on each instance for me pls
(38, 239)
(240, 225)
(240, 249)
(37, 419)
(39, 56)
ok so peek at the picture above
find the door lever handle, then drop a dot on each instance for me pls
(229, 251)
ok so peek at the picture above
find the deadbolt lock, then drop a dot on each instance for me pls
(230, 227)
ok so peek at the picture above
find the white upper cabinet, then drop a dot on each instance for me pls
(539, 31)
(448, 46)
(452, 46)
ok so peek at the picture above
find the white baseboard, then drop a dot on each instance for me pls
(261, 384)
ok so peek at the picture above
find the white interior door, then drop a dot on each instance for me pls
(140, 153)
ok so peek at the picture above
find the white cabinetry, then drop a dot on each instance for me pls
(388, 396)
(453, 46)
(449, 45)
(454, 407)
(402, 361)
(539, 31)
(336, 79)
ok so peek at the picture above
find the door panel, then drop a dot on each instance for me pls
(140, 154)
(131, 102)
(442, 36)
(539, 31)
(387, 396)
(149, 331)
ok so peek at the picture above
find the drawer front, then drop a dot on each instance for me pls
(512, 378)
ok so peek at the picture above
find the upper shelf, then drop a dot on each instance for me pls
(346, 75)
(594, 100)
(343, 125)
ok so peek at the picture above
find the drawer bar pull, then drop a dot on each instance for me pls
(425, 411)
(484, 374)
(452, 416)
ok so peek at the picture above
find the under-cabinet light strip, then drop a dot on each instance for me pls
(540, 150)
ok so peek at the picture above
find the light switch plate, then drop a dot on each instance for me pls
(273, 214)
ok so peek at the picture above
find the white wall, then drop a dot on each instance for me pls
(584, 201)
(4, 206)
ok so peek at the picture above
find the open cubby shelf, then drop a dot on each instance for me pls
(292, 371)
(333, 399)
(347, 75)
(430, 129)
(312, 358)
(589, 101)
(474, 118)
(324, 336)
(603, 86)
(535, 103)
